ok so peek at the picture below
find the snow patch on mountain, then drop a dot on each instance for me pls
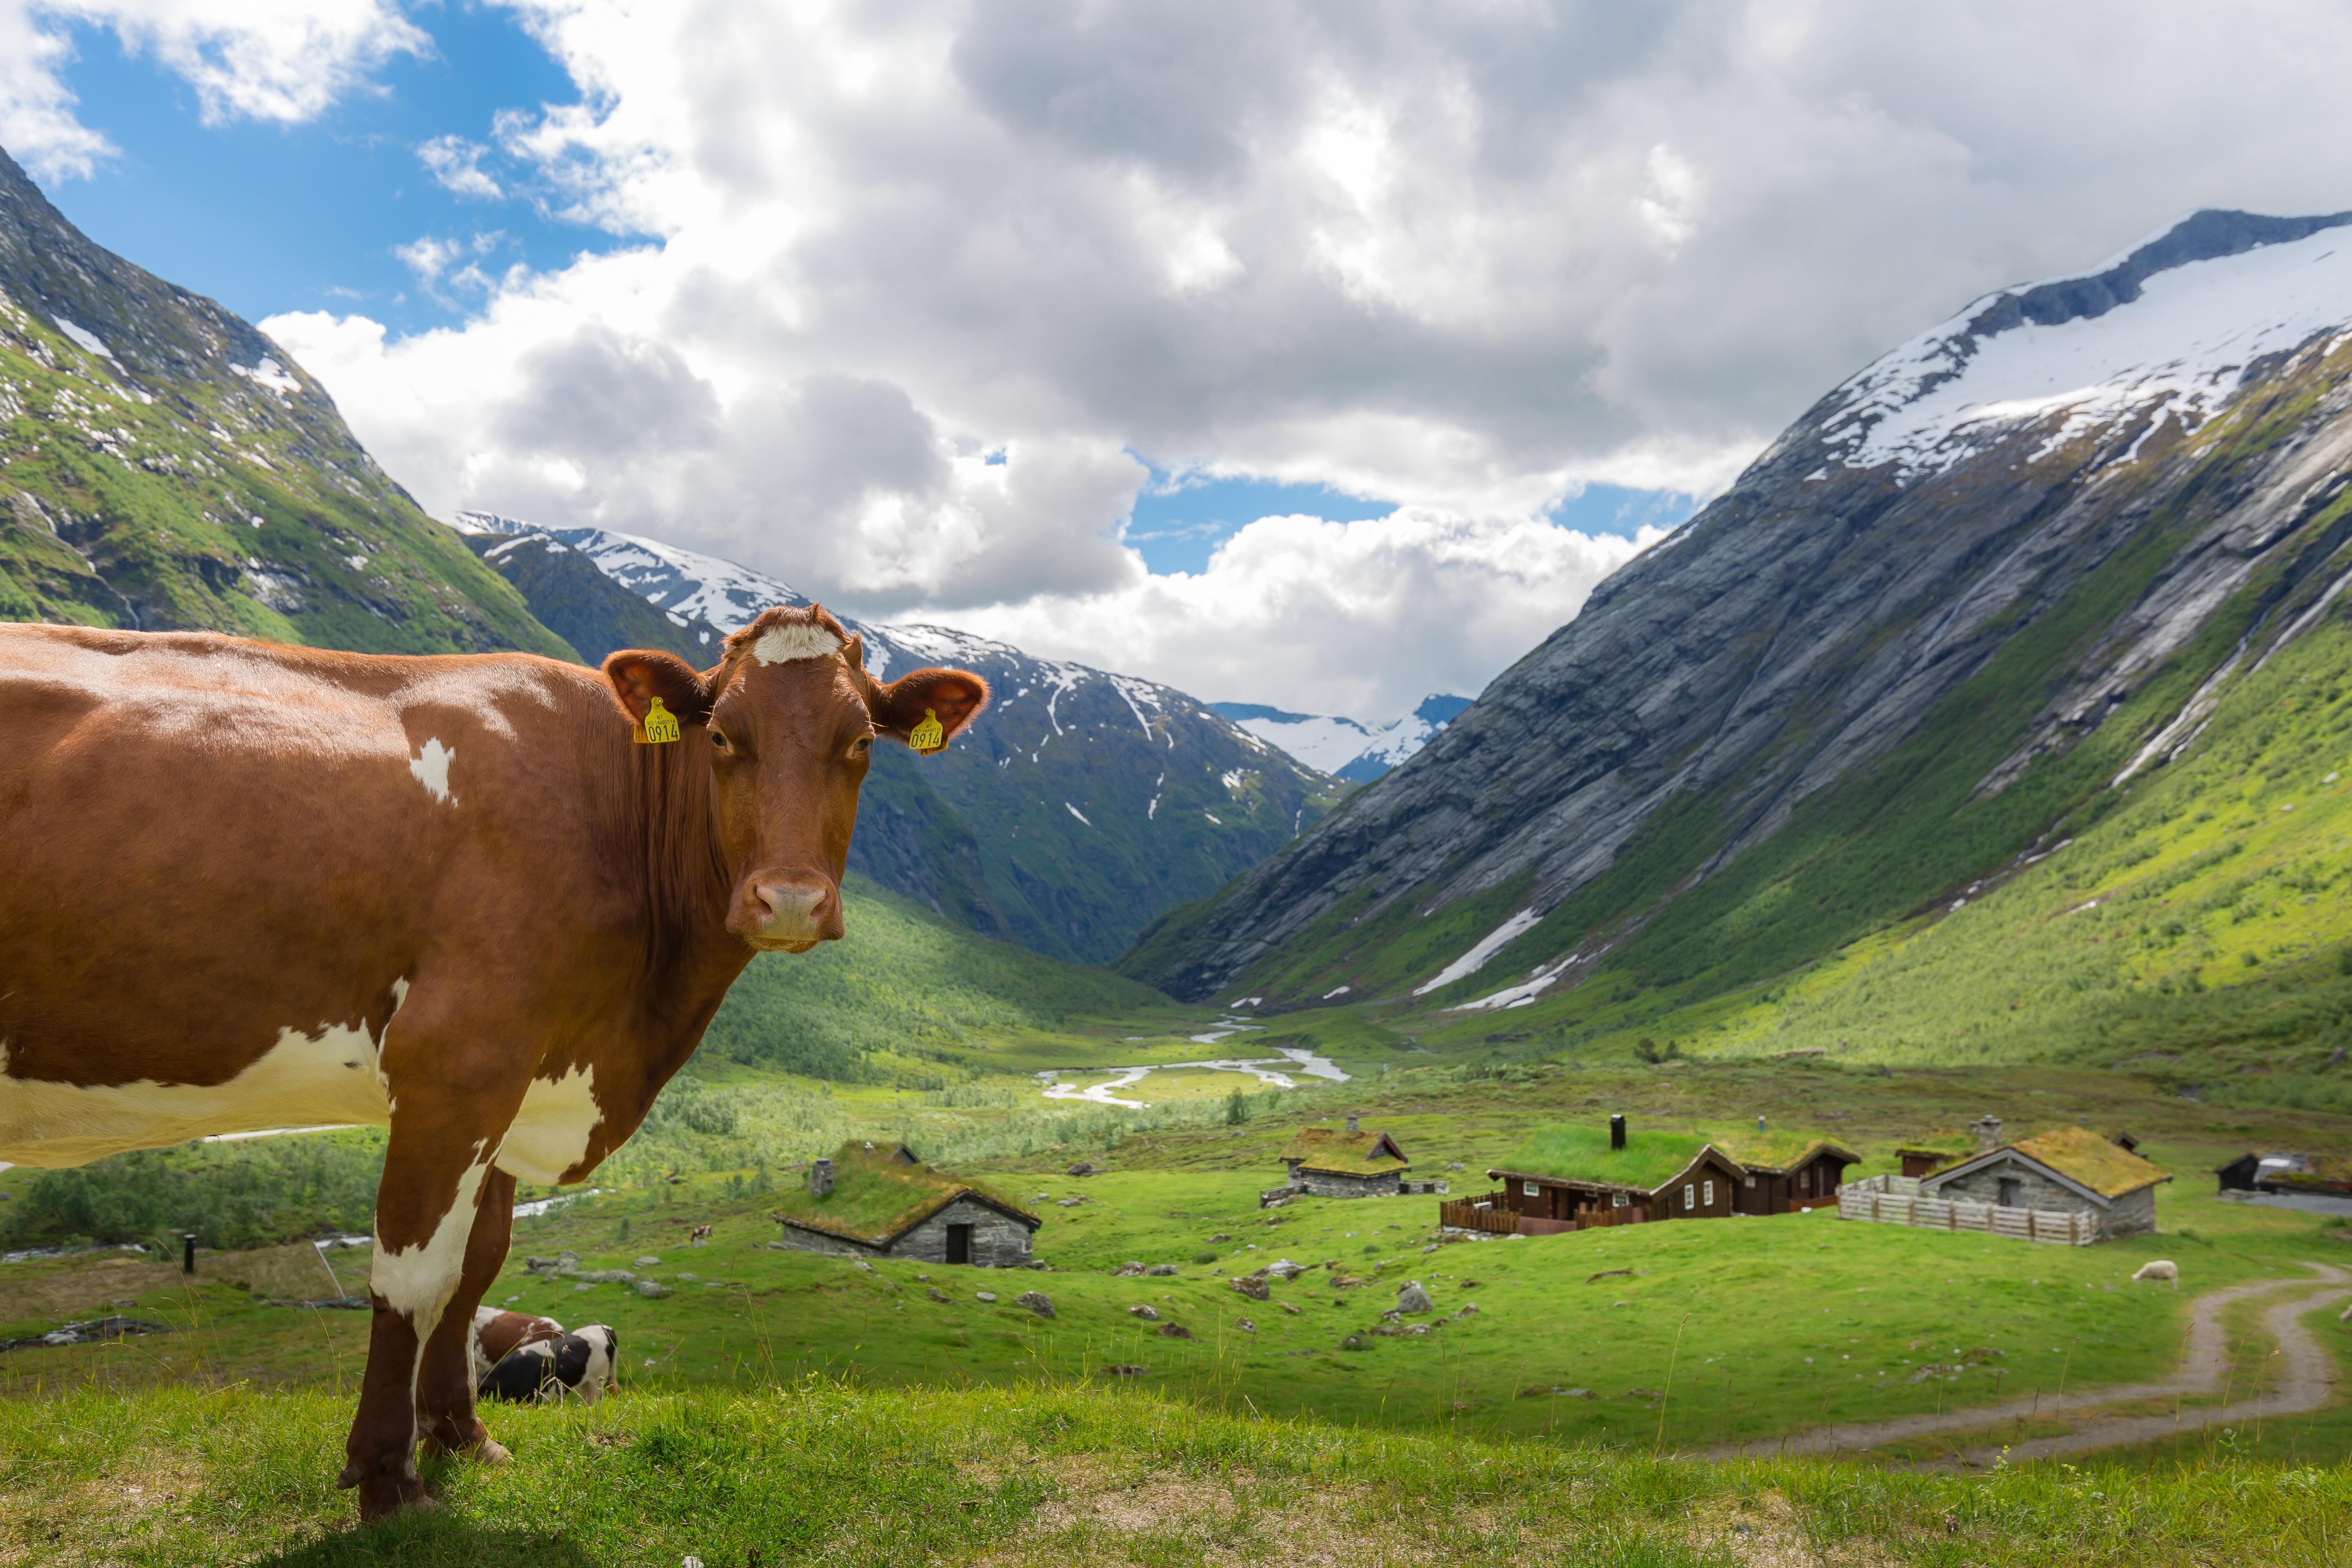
(1345, 748)
(2168, 329)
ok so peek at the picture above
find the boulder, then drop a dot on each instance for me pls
(1253, 1286)
(1127, 1271)
(1174, 1332)
(1036, 1301)
(653, 1292)
(1161, 1270)
(1413, 1299)
(1148, 1314)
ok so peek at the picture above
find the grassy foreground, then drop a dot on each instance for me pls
(821, 1472)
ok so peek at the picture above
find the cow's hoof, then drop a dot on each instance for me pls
(491, 1451)
(381, 1497)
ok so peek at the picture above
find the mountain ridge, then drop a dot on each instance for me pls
(1082, 805)
(2048, 563)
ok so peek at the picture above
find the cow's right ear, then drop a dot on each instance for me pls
(640, 675)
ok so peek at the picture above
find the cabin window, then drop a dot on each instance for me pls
(1529, 1189)
(1805, 1180)
(2011, 1188)
(1616, 1200)
(1751, 1181)
(1710, 1194)
(1690, 1197)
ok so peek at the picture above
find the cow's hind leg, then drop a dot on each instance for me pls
(435, 1176)
(445, 1391)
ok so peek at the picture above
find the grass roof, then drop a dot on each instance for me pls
(1780, 1151)
(1575, 1154)
(2087, 1157)
(1346, 1153)
(2315, 1173)
(873, 1199)
(1942, 1141)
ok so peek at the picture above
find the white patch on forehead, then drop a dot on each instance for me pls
(780, 643)
(334, 1074)
(430, 767)
(549, 1134)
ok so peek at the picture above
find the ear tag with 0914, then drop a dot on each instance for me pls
(660, 725)
(929, 735)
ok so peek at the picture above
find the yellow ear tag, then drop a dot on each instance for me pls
(660, 725)
(929, 735)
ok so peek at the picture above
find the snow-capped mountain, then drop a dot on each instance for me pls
(2002, 569)
(1081, 804)
(1345, 748)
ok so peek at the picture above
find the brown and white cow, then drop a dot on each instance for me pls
(248, 886)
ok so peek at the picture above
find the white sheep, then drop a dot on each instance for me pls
(2162, 1269)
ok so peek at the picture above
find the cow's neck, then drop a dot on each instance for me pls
(660, 825)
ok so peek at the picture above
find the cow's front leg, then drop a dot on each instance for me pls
(436, 1169)
(445, 1392)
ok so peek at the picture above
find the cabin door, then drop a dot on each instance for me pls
(959, 1244)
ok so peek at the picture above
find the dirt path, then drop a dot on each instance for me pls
(2306, 1377)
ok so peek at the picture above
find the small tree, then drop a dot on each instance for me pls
(1236, 1108)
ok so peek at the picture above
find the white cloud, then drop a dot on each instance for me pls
(1361, 618)
(456, 164)
(1463, 258)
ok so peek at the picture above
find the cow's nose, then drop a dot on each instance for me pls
(794, 910)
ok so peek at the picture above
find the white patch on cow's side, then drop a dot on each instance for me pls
(332, 1074)
(779, 644)
(550, 1133)
(418, 1281)
(430, 767)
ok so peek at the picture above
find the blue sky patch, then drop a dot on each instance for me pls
(267, 217)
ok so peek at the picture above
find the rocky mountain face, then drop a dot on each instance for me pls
(162, 464)
(1947, 617)
(1079, 806)
(1347, 750)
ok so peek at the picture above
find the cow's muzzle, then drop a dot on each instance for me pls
(792, 912)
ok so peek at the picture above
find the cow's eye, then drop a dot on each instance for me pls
(860, 746)
(719, 740)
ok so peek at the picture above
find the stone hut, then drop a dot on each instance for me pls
(2072, 1168)
(1353, 1163)
(871, 1201)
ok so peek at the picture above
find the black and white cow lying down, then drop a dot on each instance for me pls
(520, 1358)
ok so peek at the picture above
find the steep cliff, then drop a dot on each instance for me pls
(1942, 618)
(162, 464)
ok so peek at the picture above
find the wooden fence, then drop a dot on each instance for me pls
(1872, 1199)
(1466, 1215)
(1493, 1217)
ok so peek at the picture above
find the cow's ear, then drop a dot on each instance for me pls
(853, 650)
(927, 708)
(638, 676)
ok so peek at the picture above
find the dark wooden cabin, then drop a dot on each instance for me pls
(1789, 1173)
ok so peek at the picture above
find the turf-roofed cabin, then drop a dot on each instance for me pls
(1353, 1163)
(2070, 1168)
(880, 1202)
(1788, 1173)
(1579, 1178)
(2321, 1176)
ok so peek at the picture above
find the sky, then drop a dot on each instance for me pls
(1322, 355)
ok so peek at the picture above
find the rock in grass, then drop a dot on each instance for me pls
(1244, 1325)
(1127, 1270)
(1413, 1299)
(1174, 1332)
(1150, 1314)
(1253, 1286)
(937, 1296)
(653, 1292)
(1036, 1301)
(1161, 1270)
(987, 1296)
(1122, 1369)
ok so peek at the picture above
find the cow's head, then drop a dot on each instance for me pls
(787, 720)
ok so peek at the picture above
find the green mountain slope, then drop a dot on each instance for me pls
(163, 466)
(1857, 702)
(904, 985)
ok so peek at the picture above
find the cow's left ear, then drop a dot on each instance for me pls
(927, 708)
(639, 675)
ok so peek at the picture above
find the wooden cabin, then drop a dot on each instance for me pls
(1789, 1173)
(1576, 1178)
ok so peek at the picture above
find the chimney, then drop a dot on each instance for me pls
(1617, 1131)
(1988, 1130)
(1351, 1122)
(820, 1177)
